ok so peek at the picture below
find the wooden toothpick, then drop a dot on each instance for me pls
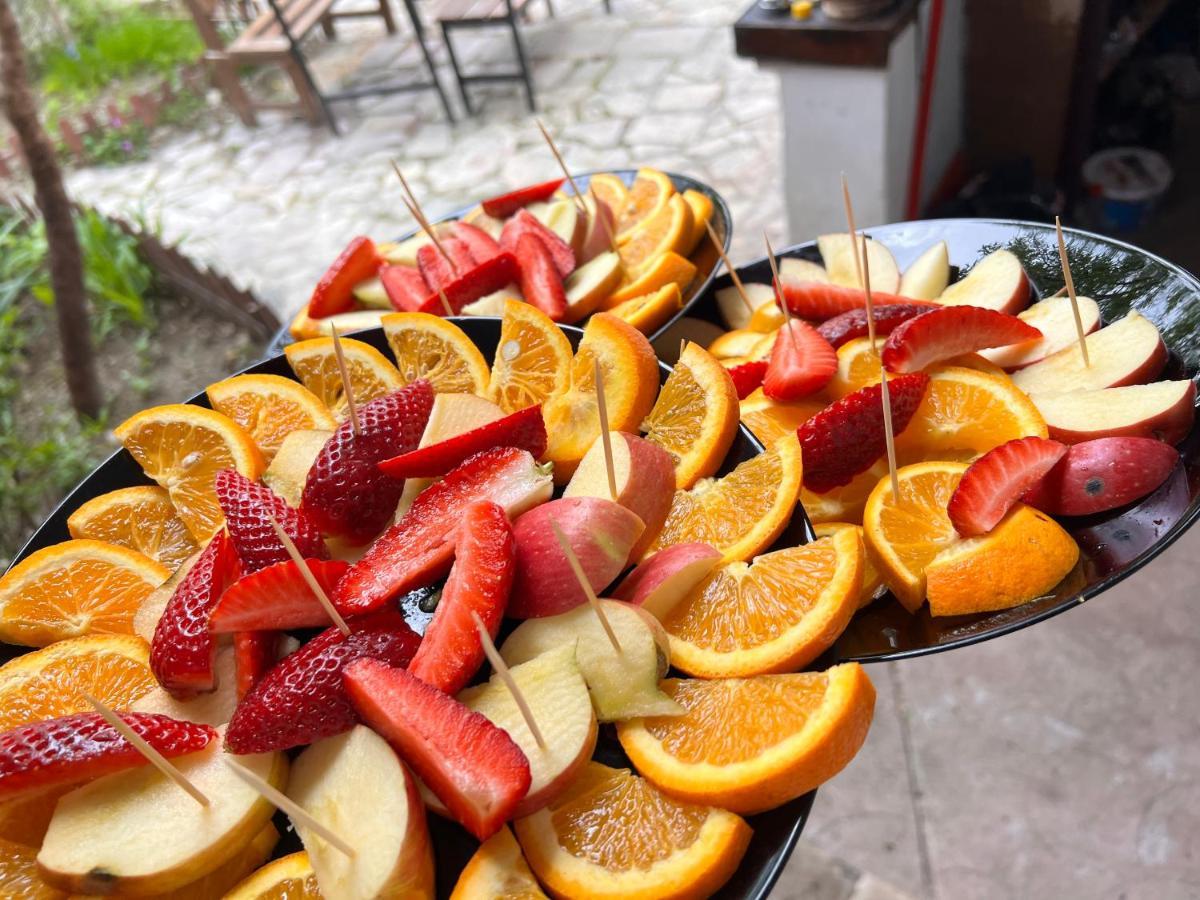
(155, 758)
(737, 282)
(294, 810)
(414, 209)
(885, 393)
(1070, 285)
(498, 664)
(446, 303)
(307, 575)
(777, 284)
(347, 388)
(853, 234)
(593, 600)
(866, 282)
(605, 439)
(578, 195)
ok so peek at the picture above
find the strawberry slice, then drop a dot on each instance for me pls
(524, 429)
(301, 699)
(81, 747)
(249, 507)
(801, 363)
(748, 376)
(951, 331)
(183, 651)
(481, 245)
(334, 293)
(997, 480)
(847, 437)
(486, 278)
(439, 272)
(485, 559)
(819, 300)
(405, 287)
(853, 323)
(541, 283)
(504, 205)
(418, 550)
(525, 222)
(254, 653)
(277, 598)
(473, 766)
(345, 493)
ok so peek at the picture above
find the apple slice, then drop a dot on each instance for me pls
(928, 276)
(664, 579)
(1163, 410)
(150, 610)
(1130, 351)
(136, 833)
(404, 253)
(733, 309)
(1055, 319)
(793, 268)
(995, 282)
(601, 229)
(562, 217)
(622, 685)
(837, 252)
(370, 293)
(1096, 476)
(355, 785)
(289, 469)
(590, 285)
(214, 708)
(490, 225)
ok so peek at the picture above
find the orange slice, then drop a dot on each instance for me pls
(269, 407)
(769, 420)
(19, 879)
(845, 503)
(666, 268)
(611, 190)
(776, 614)
(497, 870)
(630, 372)
(650, 192)
(742, 344)
(140, 518)
(533, 359)
(246, 858)
(667, 231)
(742, 513)
(767, 318)
(371, 375)
(695, 418)
(872, 581)
(751, 744)
(24, 819)
(51, 682)
(183, 447)
(427, 346)
(858, 366)
(288, 878)
(702, 211)
(650, 312)
(614, 835)
(75, 588)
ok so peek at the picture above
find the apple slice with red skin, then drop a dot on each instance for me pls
(1101, 475)
(1129, 351)
(995, 282)
(664, 579)
(1054, 318)
(1164, 410)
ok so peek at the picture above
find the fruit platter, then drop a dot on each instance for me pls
(635, 243)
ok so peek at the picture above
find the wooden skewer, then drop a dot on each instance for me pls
(737, 282)
(493, 656)
(1070, 285)
(853, 235)
(345, 373)
(778, 286)
(578, 195)
(612, 237)
(867, 292)
(885, 393)
(414, 209)
(294, 810)
(446, 303)
(155, 758)
(307, 575)
(606, 440)
(593, 600)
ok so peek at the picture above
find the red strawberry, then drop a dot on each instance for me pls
(346, 494)
(405, 286)
(248, 508)
(748, 376)
(254, 653)
(504, 205)
(853, 323)
(820, 300)
(277, 598)
(418, 549)
(801, 363)
(472, 766)
(485, 557)
(1102, 474)
(481, 245)
(997, 480)
(951, 331)
(301, 699)
(83, 746)
(524, 222)
(439, 272)
(541, 283)
(486, 278)
(524, 429)
(334, 293)
(847, 437)
(183, 651)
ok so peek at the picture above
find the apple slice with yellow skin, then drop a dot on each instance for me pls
(590, 285)
(622, 685)
(793, 268)
(1129, 351)
(664, 579)
(356, 786)
(562, 217)
(289, 469)
(1055, 319)
(136, 833)
(733, 309)
(997, 282)
(929, 274)
(1164, 410)
(498, 869)
(837, 252)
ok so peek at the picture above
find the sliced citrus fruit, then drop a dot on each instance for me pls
(75, 588)
(315, 364)
(140, 518)
(650, 312)
(19, 879)
(751, 744)
(702, 210)
(743, 344)
(610, 189)
(667, 231)
(650, 192)
(776, 614)
(695, 418)
(246, 858)
(845, 503)
(742, 513)
(497, 870)
(24, 819)
(51, 682)
(183, 447)
(533, 359)
(630, 371)
(269, 407)
(904, 535)
(614, 835)
(767, 318)
(288, 878)
(427, 346)
(859, 366)
(872, 581)
(769, 420)
(666, 268)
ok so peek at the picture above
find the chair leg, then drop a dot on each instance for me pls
(458, 76)
(225, 75)
(526, 76)
(385, 13)
(327, 26)
(307, 100)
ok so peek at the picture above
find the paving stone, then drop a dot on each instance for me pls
(676, 97)
(671, 129)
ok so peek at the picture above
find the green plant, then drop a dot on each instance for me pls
(121, 142)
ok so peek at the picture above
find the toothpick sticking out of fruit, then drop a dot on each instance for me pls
(858, 266)
(414, 209)
(593, 600)
(777, 284)
(885, 394)
(737, 282)
(313, 585)
(1070, 286)
(347, 388)
(501, 669)
(606, 440)
(446, 303)
(294, 810)
(577, 196)
(155, 758)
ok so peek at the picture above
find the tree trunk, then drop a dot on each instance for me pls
(66, 261)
